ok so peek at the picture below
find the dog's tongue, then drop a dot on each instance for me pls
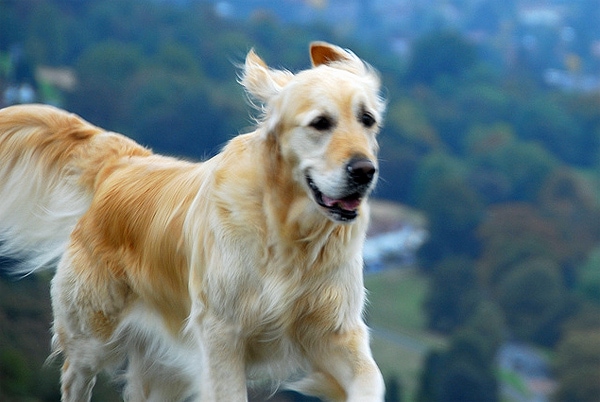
(349, 203)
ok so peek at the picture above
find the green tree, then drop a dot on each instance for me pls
(480, 142)
(104, 71)
(15, 375)
(410, 126)
(393, 390)
(465, 382)
(48, 36)
(463, 372)
(585, 109)
(588, 281)
(548, 122)
(533, 298)
(525, 165)
(453, 206)
(453, 294)
(440, 55)
(578, 366)
(177, 114)
(489, 322)
(430, 374)
(483, 101)
(9, 27)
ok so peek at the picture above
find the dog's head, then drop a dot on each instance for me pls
(325, 121)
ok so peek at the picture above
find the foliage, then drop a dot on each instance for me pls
(512, 234)
(588, 283)
(453, 207)
(15, 375)
(393, 390)
(578, 366)
(24, 338)
(439, 56)
(533, 299)
(453, 295)
(465, 370)
(521, 166)
(568, 200)
(104, 71)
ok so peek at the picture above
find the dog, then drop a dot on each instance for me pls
(193, 280)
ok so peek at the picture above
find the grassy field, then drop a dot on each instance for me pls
(400, 342)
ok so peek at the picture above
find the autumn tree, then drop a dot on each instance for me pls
(510, 234)
(578, 366)
(568, 200)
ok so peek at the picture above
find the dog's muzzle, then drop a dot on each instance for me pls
(361, 171)
(360, 175)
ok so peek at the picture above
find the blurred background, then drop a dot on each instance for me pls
(483, 260)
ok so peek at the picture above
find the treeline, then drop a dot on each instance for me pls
(161, 73)
(508, 174)
(508, 171)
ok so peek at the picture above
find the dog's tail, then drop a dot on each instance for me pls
(50, 163)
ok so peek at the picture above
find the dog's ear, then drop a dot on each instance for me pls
(261, 81)
(326, 53)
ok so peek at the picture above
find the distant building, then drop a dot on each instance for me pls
(572, 81)
(60, 77)
(395, 248)
(395, 235)
(541, 15)
(532, 380)
(18, 94)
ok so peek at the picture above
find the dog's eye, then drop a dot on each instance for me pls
(367, 119)
(321, 123)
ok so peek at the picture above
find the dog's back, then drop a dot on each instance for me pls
(51, 161)
(113, 213)
(134, 229)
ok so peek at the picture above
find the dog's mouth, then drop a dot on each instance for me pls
(343, 209)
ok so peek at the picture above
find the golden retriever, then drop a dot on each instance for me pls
(195, 278)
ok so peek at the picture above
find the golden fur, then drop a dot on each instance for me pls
(195, 277)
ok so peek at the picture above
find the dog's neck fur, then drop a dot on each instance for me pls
(295, 226)
(295, 217)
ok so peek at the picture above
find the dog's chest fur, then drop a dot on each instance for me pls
(273, 264)
(282, 287)
(285, 308)
(287, 290)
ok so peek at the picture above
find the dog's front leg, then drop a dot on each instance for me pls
(345, 369)
(223, 368)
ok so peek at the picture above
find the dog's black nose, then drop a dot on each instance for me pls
(361, 170)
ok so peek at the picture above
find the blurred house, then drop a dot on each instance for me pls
(532, 379)
(395, 234)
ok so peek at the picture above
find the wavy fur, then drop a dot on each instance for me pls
(198, 277)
